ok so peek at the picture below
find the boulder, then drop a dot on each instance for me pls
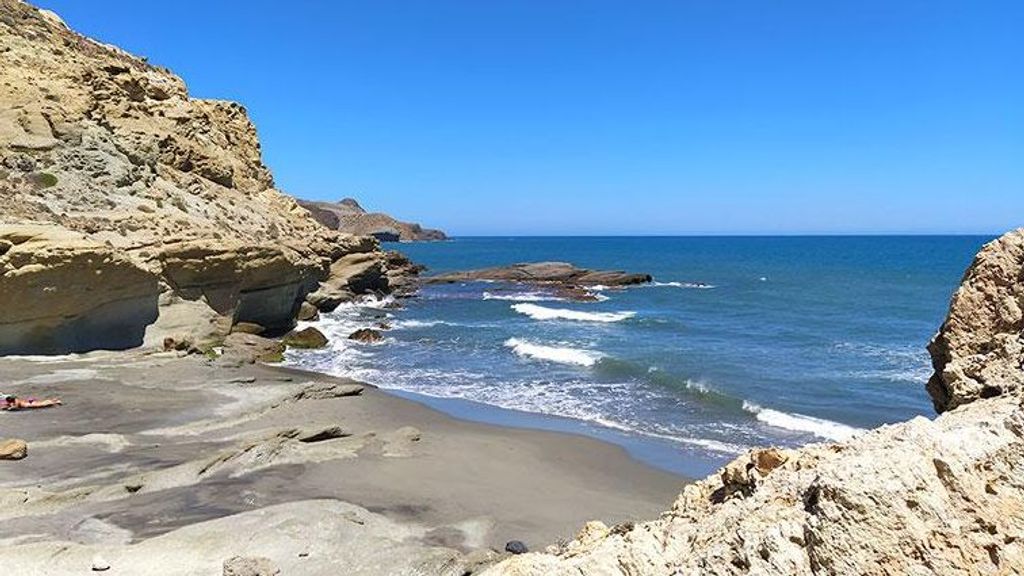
(367, 335)
(240, 348)
(308, 312)
(13, 449)
(306, 338)
(250, 566)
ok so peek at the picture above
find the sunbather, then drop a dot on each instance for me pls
(12, 402)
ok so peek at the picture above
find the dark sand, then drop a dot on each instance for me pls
(156, 421)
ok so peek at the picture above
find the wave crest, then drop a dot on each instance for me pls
(560, 355)
(800, 423)
(543, 313)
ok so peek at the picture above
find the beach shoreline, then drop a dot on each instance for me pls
(149, 445)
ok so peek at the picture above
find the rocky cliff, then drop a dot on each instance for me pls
(348, 216)
(126, 201)
(925, 497)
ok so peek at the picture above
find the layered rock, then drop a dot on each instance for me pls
(144, 202)
(348, 216)
(63, 292)
(925, 497)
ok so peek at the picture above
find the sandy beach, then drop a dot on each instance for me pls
(148, 450)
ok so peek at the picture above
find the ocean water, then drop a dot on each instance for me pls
(739, 342)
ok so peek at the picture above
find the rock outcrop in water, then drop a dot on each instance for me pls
(925, 497)
(348, 216)
(564, 279)
(125, 201)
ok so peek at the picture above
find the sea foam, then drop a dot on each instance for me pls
(523, 297)
(560, 355)
(543, 313)
(690, 285)
(800, 423)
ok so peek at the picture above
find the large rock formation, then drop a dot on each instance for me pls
(348, 216)
(142, 202)
(926, 497)
(979, 351)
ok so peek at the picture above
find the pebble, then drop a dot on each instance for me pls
(99, 564)
(516, 547)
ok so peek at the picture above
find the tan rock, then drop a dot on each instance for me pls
(251, 566)
(13, 449)
(979, 352)
(63, 292)
(306, 338)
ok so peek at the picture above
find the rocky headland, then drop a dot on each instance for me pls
(349, 217)
(139, 219)
(133, 213)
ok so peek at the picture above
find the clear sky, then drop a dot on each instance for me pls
(617, 117)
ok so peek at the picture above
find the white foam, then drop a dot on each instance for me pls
(542, 313)
(688, 285)
(560, 355)
(523, 297)
(800, 423)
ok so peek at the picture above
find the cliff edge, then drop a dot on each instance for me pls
(925, 497)
(132, 212)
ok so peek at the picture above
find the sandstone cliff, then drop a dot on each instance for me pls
(925, 497)
(348, 216)
(124, 200)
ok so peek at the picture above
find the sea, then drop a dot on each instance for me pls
(739, 342)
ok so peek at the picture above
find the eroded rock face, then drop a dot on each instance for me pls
(171, 192)
(979, 351)
(61, 292)
(925, 497)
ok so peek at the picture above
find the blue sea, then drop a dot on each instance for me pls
(739, 342)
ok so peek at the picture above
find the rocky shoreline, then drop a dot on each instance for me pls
(140, 219)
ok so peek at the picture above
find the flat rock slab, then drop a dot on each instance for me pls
(546, 273)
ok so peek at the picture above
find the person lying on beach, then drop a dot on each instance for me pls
(11, 402)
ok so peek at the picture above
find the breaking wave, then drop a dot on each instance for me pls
(820, 427)
(542, 313)
(557, 354)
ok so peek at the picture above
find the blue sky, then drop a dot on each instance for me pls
(617, 117)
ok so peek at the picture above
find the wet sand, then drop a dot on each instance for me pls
(147, 445)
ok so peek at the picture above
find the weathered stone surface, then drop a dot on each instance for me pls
(250, 566)
(241, 348)
(306, 338)
(925, 497)
(163, 197)
(560, 274)
(348, 216)
(13, 449)
(63, 292)
(308, 312)
(979, 350)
